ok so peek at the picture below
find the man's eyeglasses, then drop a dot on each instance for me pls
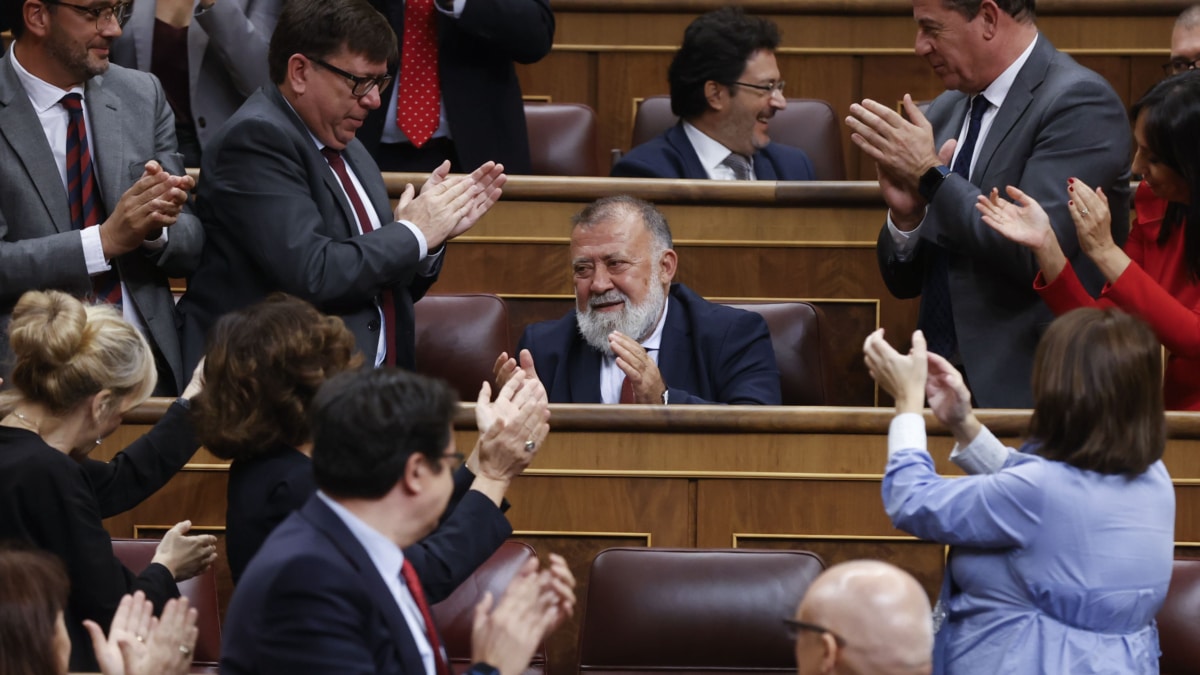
(119, 12)
(772, 88)
(794, 628)
(1176, 66)
(456, 459)
(360, 86)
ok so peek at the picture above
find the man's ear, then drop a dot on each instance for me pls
(829, 653)
(989, 14)
(36, 16)
(716, 94)
(298, 70)
(669, 262)
(416, 470)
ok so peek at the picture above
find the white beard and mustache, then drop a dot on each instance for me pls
(636, 321)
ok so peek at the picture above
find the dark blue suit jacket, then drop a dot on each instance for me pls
(671, 155)
(312, 601)
(709, 354)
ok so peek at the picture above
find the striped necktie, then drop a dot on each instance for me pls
(84, 194)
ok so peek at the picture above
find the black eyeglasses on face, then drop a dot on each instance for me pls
(360, 86)
(119, 12)
(770, 88)
(794, 628)
(1176, 66)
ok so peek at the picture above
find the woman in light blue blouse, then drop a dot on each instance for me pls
(1062, 549)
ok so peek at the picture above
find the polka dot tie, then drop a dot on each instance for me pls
(418, 110)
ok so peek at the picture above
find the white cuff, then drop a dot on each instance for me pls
(907, 432)
(903, 242)
(93, 251)
(457, 10)
(422, 245)
(984, 454)
(157, 244)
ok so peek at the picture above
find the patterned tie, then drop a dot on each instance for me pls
(414, 587)
(386, 298)
(84, 194)
(419, 105)
(938, 319)
(739, 165)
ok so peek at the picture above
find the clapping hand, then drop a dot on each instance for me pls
(140, 644)
(901, 375)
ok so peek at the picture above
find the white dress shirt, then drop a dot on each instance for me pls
(712, 154)
(391, 132)
(612, 377)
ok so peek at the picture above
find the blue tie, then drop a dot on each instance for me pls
(937, 321)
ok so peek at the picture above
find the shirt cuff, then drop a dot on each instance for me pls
(93, 251)
(422, 245)
(159, 243)
(984, 454)
(452, 8)
(903, 242)
(907, 432)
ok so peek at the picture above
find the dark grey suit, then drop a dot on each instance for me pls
(277, 219)
(130, 124)
(1059, 120)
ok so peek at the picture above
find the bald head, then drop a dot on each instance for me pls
(879, 612)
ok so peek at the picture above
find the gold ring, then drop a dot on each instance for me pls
(1083, 211)
(185, 650)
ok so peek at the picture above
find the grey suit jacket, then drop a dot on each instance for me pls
(277, 219)
(227, 55)
(130, 124)
(1059, 120)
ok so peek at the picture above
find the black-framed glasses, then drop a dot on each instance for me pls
(1176, 66)
(359, 86)
(119, 12)
(772, 88)
(794, 628)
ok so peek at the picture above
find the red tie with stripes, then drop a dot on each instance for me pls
(418, 107)
(84, 194)
(414, 587)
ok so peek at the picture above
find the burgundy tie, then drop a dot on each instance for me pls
(418, 107)
(626, 391)
(414, 587)
(386, 299)
(84, 194)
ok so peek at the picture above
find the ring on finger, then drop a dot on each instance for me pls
(185, 650)
(1083, 211)
(140, 637)
(530, 445)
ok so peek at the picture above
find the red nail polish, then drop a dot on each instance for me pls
(1070, 202)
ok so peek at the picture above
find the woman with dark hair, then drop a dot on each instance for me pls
(1062, 549)
(33, 596)
(264, 366)
(1157, 275)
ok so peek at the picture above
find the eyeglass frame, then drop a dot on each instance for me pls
(1186, 65)
(381, 81)
(794, 628)
(770, 89)
(457, 459)
(98, 13)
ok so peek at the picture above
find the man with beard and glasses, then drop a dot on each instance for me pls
(725, 87)
(93, 196)
(634, 337)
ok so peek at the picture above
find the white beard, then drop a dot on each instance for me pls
(636, 321)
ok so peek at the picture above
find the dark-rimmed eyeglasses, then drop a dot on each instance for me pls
(770, 88)
(456, 459)
(794, 628)
(120, 12)
(1176, 66)
(359, 86)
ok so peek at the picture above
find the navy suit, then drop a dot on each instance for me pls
(671, 155)
(312, 601)
(709, 354)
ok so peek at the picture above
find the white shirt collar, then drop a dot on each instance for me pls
(997, 91)
(711, 153)
(41, 93)
(384, 553)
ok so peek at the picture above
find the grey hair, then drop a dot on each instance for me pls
(606, 209)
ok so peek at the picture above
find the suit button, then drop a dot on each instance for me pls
(373, 325)
(201, 122)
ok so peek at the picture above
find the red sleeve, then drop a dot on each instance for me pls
(1066, 292)
(1177, 326)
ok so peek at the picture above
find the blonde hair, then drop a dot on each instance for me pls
(66, 352)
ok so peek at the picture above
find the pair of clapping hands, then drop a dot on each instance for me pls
(512, 429)
(153, 202)
(534, 604)
(632, 358)
(138, 643)
(450, 205)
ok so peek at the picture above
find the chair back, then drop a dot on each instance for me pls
(808, 123)
(800, 336)
(455, 615)
(201, 592)
(562, 139)
(1179, 621)
(693, 611)
(459, 337)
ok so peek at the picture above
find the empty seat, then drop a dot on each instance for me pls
(201, 592)
(562, 139)
(808, 123)
(800, 337)
(693, 610)
(459, 337)
(1179, 621)
(455, 615)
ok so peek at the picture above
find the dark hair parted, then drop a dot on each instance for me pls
(1021, 10)
(1097, 392)
(715, 47)
(365, 426)
(606, 209)
(321, 28)
(263, 368)
(1172, 129)
(33, 590)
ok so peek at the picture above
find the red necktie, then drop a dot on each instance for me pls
(84, 194)
(386, 299)
(626, 391)
(414, 587)
(418, 107)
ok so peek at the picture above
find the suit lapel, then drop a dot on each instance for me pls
(692, 168)
(141, 31)
(675, 349)
(197, 42)
(583, 376)
(372, 181)
(108, 145)
(20, 127)
(763, 168)
(328, 522)
(1018, 100)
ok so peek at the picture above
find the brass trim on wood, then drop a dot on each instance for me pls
(585, 535)
(210, 529)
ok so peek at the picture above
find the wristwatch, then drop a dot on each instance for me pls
(931, 180)
(482, 668)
